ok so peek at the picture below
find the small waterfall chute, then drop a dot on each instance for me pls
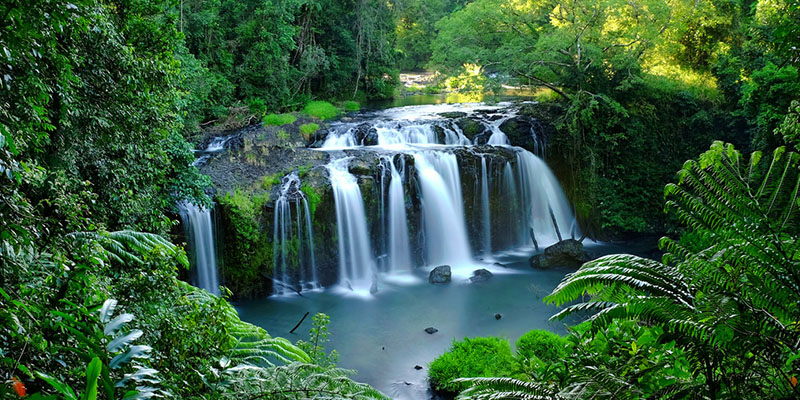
(399, 253)
(442, 206)
(294, 264)
(486, 219)
(200, 239)
(356, 259)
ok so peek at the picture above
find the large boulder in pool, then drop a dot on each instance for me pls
(566, 253)
(440, 274)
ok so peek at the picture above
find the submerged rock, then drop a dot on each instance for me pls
(431, 330)
(480, 275)
(440, 274)
(418, 367)
(453, 114)
(568, 253)
(498, 316)
(373, 288)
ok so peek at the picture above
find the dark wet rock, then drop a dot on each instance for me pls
(568, 253)
(365, 134)
(418, 367)
(431, 330)
(519, 130)
(453, 114)
(498, 316)
(440, 135)
(471, 129)
(480, 275)
(497, 264)
(440, 274)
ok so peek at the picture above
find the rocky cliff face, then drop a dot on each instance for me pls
(247, 178)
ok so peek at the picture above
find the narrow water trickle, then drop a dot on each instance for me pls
(486, 219)
(294, 265)
(200, 238)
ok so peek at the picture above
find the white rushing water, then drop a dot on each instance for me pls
(356, 258)
(200, 238)
(399, 249)
(293, 240)
(486, 219)
(524, 204)
(442, 208)
(544, 204)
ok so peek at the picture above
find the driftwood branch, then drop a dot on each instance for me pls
(298, 324)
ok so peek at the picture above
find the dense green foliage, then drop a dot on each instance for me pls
(283, 53)
(544, 345)
(481, 356)
(632, 78)
(93, 99)
(718, 310)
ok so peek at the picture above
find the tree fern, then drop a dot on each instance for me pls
(732, 299)
(128, 246)
(253, 344)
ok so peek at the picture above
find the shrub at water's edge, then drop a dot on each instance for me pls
(544, 345)
(279, 119)
(352, 105)
(321, 109)
(476, 357)
(308, 129)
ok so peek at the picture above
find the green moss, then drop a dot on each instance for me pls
(273, 179)
(312, 196)
(352, 106)
(321, 109)
(283, 135)
(469, 358)
(308, 129)
(279, 119)
(304, 169)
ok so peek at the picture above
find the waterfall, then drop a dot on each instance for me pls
(200, 238)
(512, 200)
(486, 220)
(399, 249)
(356, 260)
(499, 137)
(542, 200)
(293, 234)
(442, 204)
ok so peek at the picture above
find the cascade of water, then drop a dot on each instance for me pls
(442, 204)
(200, 237)
(399, 249)
(293, 233)
(512, 201)
(486, 221)
(215, 146)
(542, 200)
(498, 137)
(356, 260)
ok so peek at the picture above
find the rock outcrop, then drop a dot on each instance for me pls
(566, 253)
(440, 274)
